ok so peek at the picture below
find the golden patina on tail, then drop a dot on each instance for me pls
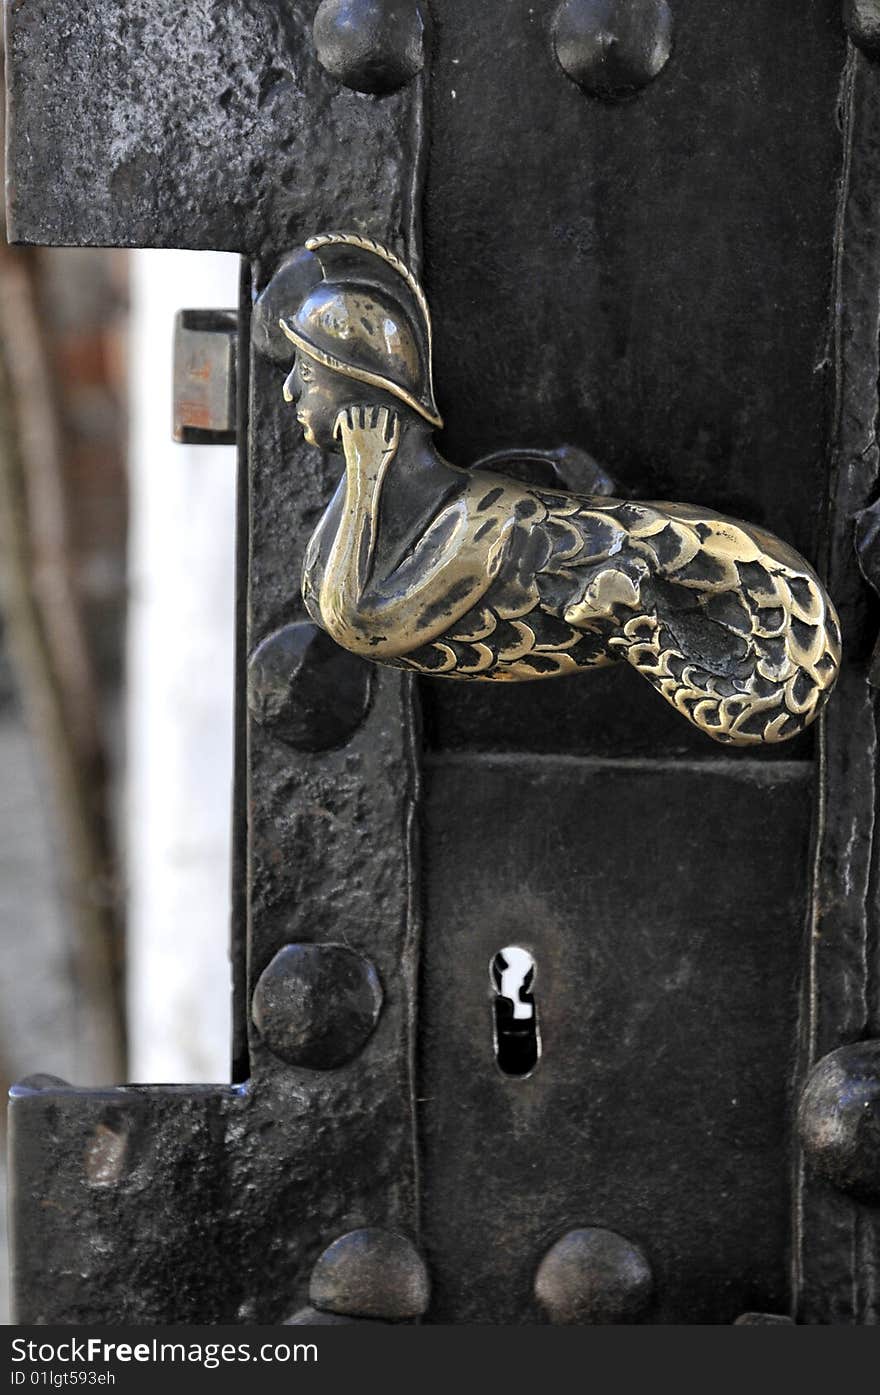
(469, 574)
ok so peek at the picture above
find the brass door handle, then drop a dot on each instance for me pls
(472, 575)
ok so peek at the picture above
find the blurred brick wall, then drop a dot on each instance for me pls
(83, 292)
(44, 1015)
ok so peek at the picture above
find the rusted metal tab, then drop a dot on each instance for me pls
(205, 377)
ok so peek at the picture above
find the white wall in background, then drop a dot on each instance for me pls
(179, 705)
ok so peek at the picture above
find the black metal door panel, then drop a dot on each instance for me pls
(666, 933)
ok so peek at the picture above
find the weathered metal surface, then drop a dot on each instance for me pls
(701, 368)
(835, 1241)
(329, 859)
(147, 1235)
(187, 1204)
(323, 839)
(667, 950)
(209, 125)
(205, 380)
(664, 303)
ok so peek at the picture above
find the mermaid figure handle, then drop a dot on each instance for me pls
(471, 575)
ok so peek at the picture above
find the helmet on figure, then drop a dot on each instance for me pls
(365, 316)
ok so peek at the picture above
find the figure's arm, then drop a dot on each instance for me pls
(385, 609)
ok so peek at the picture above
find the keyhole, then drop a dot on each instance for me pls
(517, 1044)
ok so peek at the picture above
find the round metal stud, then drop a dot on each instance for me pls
(307, 690)
(371, 1273)
(839, 1119)
(316, 1005)
(594, 1277)
(861, 20)
(373, 46)
(612, 48)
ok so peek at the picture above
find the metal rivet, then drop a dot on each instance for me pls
(371, 46)
(306, 689)
(316, 1005)
(612, 48)
(371, 1273)
(205, 354)
(594, 1277)
(839, 1119)
(861, 19)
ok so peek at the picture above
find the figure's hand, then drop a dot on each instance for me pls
(369, 436)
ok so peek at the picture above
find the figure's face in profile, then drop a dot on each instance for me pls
(317, 393)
